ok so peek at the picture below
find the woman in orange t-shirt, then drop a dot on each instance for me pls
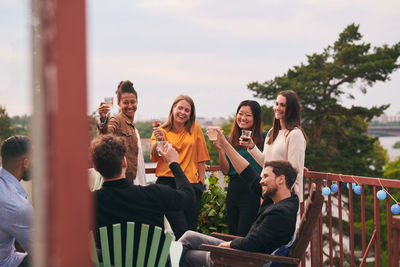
(185, 135)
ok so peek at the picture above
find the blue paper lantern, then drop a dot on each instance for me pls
(334, 188)
(381, 194)
(395, 208)
(326, 191)
(357, 189)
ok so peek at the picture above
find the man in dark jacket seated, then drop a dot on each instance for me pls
(275, 223)
(119, 201)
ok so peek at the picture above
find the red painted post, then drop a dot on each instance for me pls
(340, 224)
(60, 83)
(389, 228)
(378, 230)
(330, 227)
(363, 231)
(396, 234)
(351, 222)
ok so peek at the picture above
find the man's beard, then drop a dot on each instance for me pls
(26, 175)
(270, 192)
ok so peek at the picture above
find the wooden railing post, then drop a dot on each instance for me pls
(316, 245)
(395, 247)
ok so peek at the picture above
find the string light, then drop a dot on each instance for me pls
(356, 187)
(326, 190)
(395, 208)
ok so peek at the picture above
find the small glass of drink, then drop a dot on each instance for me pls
(212, 133)
(246, 135)
(160, 145)
(109, 102)
(155, 122)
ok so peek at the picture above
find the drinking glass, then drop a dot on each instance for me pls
(212, 133)
(160, 145)
(155, 122)
(109, 102)
(246, 135)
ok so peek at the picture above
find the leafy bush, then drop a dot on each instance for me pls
(212, 215)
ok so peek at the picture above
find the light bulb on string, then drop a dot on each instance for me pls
(357, 189)
(326, 191)
(395, 209)
(381, 194)
(334, 188)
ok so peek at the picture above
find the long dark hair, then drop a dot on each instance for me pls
(257, 131)
(169, 124)
(292, 116)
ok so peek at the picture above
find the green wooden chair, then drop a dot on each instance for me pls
(129, 255)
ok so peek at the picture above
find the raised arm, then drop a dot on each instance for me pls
(223, 162)
(238, 162)
(256, 153)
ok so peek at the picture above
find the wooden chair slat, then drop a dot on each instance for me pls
(154, 247)
(130, 238)
(105, 251)
(165, 250)
(117, 245)
(142, 245)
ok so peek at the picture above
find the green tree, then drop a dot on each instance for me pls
(145, 128)
(20, 124)
(337, 133)
(392, 169)
(338, 140)
(5, 124)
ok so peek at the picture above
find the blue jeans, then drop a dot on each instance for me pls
(191, 255)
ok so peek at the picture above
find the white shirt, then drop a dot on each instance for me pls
(290, 146)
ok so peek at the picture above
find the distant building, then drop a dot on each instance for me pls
(206, 122)
(384, 118)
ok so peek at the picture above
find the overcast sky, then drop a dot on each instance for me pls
(208, 49)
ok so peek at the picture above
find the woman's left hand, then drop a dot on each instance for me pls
(246, 144)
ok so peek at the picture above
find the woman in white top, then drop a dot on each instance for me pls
(286, 140)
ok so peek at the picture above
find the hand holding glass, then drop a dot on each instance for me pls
(160, 145)
(109, 102)
(155, 122)
(246, 135)
(212, 133)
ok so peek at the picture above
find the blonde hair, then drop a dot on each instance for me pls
(169, 124)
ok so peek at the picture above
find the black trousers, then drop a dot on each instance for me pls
(183, 220)
(242, 206)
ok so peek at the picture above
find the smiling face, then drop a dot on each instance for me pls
(128, 105)
(268, 182)
(245, 118)
(280, 107)
(181, 113)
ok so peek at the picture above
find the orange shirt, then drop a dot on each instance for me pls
(192, 149)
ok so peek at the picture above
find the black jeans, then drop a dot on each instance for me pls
(183, 220)
(242, 206)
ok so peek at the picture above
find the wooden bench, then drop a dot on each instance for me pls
(234, 257)
(129, 255)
